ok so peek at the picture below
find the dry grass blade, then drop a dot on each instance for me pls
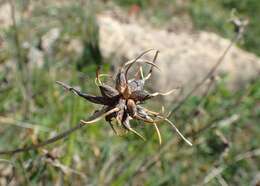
(137, 133)
(130, 63)
(148, 62)
(11, 121)
(135, 60)
(99, 116)
(97, 76)
(177, 130)
(158, 133)
(163, 93)
(47, 142)
(98, 81)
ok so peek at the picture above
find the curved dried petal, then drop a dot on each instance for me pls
(98, 81)
(163, 93)
(158, 133)
(135, 60)
(126, 124)
(99, 115)
(142, 95)
(142, 115)
(177, 130)
(107, 91)
(151, 69)
(97, 76)
(94, 99)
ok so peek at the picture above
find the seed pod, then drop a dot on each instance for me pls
(135, 85)
(126, 121)
(121, 83)
(140, 95)
(131, 107)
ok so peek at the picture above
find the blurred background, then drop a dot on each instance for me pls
(60, 40)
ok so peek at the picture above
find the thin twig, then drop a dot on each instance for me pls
(206, 92)
(49, 141)
(150, 162)
(210, 73)
(21, 63)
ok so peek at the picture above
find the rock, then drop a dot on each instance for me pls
(49, 39)
(185, 57)
(35, 58)
(5, 16)
(75, 46)
(256, 179)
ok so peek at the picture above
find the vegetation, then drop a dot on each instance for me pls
(206, 15)
(223, 125)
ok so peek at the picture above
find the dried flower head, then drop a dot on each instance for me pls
(123, 103)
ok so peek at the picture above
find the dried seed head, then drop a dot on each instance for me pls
(122, 103)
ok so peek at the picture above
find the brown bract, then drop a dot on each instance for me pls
(122, 103)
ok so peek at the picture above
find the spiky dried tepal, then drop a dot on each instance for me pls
(123, 103)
